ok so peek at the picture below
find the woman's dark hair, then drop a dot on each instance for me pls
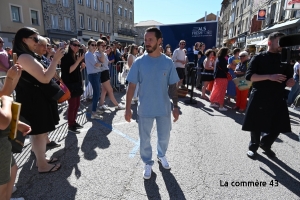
(90, 41)
(222, 52)
(208, 52)
(131, 48)
(70, 52)
(19, 47)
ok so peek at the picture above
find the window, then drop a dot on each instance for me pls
(88, 3)
(102, 26)
(249, 1)
(107, 9)
(96, 24)
(67, 23)
(65, 3)
(130, 27)
(125, 13)
(237, 12)
(101, 6)
(272, 13)
(125, 25)
(130, 2)
(108, 27)
(81, 21)
(53, 1)
(34, 17)
(89, 23)
(130, 15)
(120, 10)
(95, 4)
(120, 25)
(80, 2)
(246, 24)
(54, 21)
(15, 12)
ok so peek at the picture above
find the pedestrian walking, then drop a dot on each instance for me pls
(157, 77)
(267, 110)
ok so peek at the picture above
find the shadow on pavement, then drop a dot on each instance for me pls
(281, 176)
(53, 185)
(151, 187)
(173, 188)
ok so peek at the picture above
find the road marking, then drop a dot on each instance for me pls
(110, 127)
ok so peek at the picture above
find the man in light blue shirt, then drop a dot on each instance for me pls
(157, 78)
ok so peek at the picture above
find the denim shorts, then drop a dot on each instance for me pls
(6, 160)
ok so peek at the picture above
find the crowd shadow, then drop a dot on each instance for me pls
(54, 185)
(283, 178)
(293, 136)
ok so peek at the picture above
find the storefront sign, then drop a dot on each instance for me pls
(261, 14)
(254, 39)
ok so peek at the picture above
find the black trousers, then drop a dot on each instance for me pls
(266, 141)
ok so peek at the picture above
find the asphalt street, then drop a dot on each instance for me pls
(207, 153)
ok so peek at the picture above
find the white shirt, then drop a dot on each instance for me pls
(178, 54)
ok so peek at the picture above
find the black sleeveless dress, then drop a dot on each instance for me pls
(40, 111)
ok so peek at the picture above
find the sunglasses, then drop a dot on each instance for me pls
(35, 39)
(76, 45)
(93, 45)
(136, 48)
(182, 43)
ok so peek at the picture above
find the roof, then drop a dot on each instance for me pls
(209, 17)
(148, 23)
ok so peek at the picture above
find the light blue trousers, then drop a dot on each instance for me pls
(163, 126)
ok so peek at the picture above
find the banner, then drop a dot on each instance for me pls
(261, 14)
(205, 32)
(292, 5)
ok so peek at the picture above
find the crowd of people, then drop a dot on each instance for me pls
(154, 76)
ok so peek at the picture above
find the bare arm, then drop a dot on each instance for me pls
(76, 64)
(174, 96)
(5, 112)
(11, 80)
(36, 69)
(102, 57)
(129, 95)
(130, 60)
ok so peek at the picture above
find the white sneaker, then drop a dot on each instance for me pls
(147, 171)
(223, 109)
(104, 107)
(120, 107)
(99, 111)
(213, 105)
(135, 98)
(95, 115)
(164, 162)
(297, 108)
(14, 189)
(20, 198)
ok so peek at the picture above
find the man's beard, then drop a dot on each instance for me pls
(152, 49)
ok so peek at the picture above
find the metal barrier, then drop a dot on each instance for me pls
(2, 80)
(116, 78)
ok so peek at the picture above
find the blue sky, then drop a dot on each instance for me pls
(174, 11)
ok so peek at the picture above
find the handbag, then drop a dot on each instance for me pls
(241, 83)
(67, 94)
(228, 75)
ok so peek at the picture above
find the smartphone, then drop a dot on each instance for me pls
(80, 52)
(61, 44)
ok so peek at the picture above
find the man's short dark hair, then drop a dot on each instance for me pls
(155, 30)
(236, 50)
(275, 35)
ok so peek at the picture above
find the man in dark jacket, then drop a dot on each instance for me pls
(267, 111)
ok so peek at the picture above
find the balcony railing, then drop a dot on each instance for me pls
(128, 32)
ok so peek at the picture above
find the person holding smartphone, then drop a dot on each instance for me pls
(71, 66)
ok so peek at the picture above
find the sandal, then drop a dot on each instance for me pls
(52, 160)
(51, 170)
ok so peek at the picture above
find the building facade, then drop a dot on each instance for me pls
(59, 20)
(141, 27)
(244, 30)
(123, 21)
(93, 18)
(25, 13)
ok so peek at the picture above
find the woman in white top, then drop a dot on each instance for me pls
(133, 51)
(105, 79)
(208, 72)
